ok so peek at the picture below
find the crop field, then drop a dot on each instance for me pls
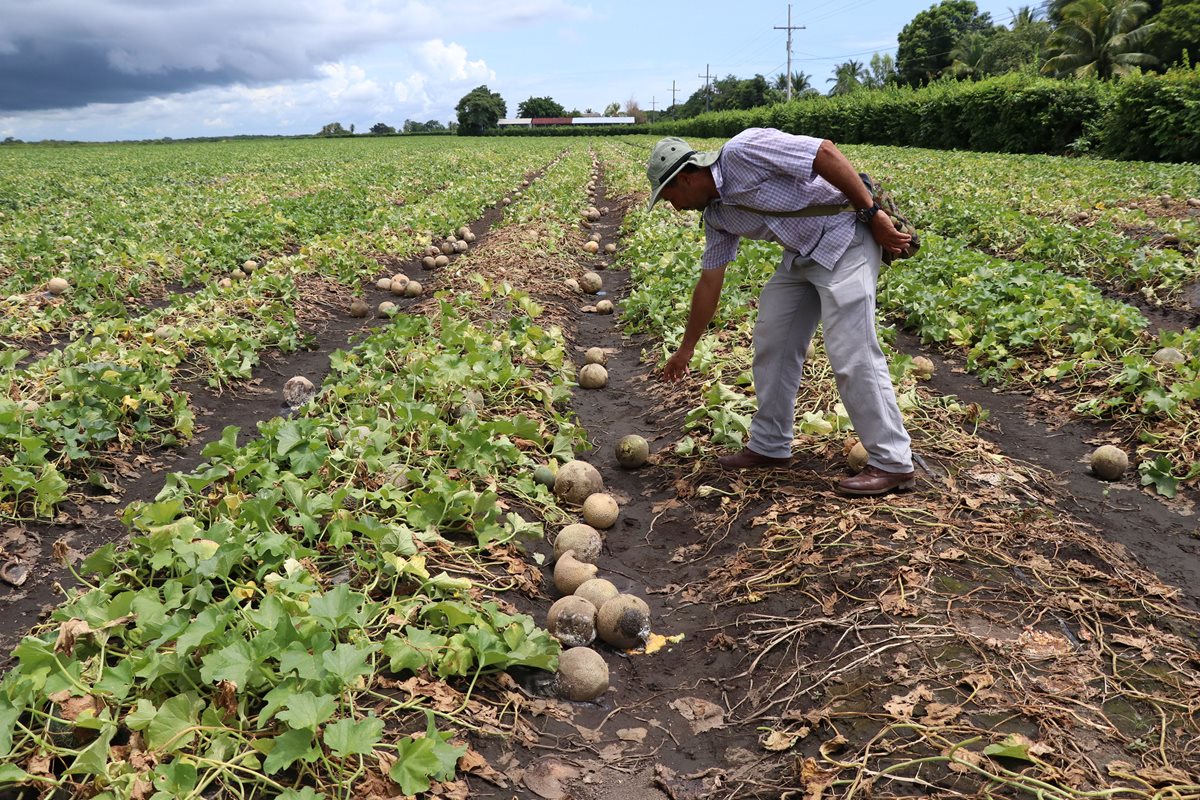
(289, 431)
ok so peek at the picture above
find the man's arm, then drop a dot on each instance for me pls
(704, 304)
(834, 167)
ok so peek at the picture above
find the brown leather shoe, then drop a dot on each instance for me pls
(748, 459)
(873, 480)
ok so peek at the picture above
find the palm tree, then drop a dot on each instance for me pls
(1025, 15)
(847, 77)
(801, 84)
(1100, 38)
(968, 55)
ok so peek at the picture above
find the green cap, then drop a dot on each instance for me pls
(671, 155)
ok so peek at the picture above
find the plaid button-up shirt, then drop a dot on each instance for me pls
(770, 170)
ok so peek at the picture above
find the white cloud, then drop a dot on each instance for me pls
(64, 53)
(449, 62)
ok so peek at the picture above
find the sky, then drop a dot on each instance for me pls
(102, 70)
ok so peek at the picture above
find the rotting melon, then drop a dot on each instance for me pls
(582, 538)
(857, 457)
(570, 572)
(582, 674)
(1169, 355)
(604, 307)
(593, 376)
(597, 591)
(600, 511)
(572, 620)
(632, 451)
(576, 480)
(1109, 462)
(595, 355)
(298, 391)
(624, 621)
(591, 282)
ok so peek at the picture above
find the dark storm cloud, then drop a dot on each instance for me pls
(33, 81)
(68, 53)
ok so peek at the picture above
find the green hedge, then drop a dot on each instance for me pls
(1154, 118)
(1146, 117)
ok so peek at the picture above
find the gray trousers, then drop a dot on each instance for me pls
(800, 294)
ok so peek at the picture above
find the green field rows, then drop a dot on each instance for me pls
(329, 596)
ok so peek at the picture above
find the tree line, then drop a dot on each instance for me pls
(950, 41)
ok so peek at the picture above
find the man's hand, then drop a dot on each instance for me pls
(704, 305)
(884, 231)
(677, 365)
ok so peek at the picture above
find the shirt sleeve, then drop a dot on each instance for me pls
(720, 247)
(771, 151)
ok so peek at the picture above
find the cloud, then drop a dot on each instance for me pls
(449, 62)
(67, 54)
(348, 92)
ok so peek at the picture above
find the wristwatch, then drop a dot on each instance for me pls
(866, 214)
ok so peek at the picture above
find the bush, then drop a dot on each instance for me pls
(1154, 117)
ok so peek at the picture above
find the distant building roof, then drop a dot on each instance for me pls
(602, 121)
(551, 120)
(516, 121)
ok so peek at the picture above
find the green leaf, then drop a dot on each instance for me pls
(236, 663)
(288, 437)
(93, 759)
(348, 737)
(348, 661)
(416, 650)
(1159, 473)
(1011, 747)
(142, 715)
(173, 726)
(288, 748)
(9, 714)
(202, 625)
(176, 779)
(306, 710)
(303, 794)
(451, 614)
(337, 608)
(418, 760)
(11, 773)
(101, 562)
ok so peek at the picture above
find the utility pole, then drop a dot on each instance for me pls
(673, 91)
(789, 28)
(706, 76)
(652, 108)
